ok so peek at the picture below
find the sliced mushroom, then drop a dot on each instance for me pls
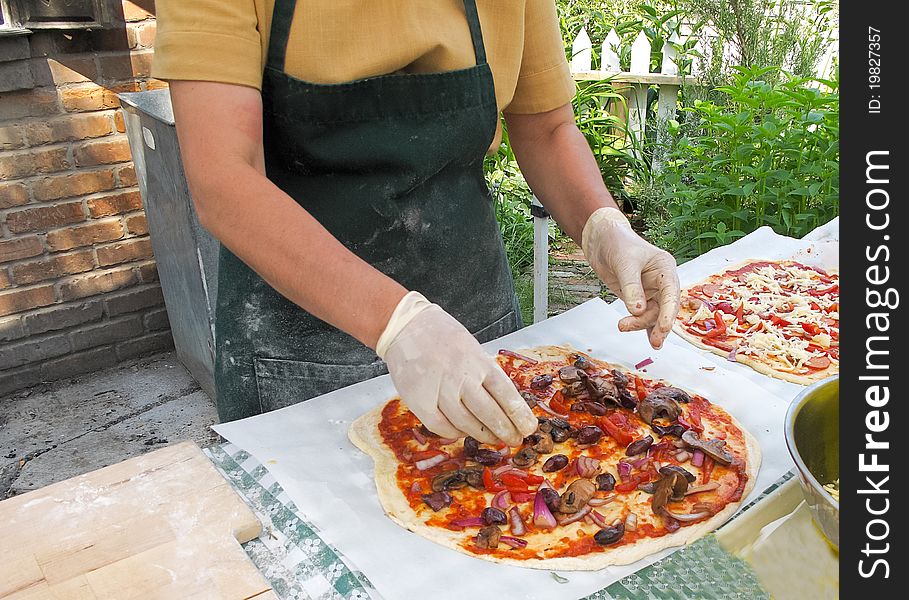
(579, 492)
(524, 457)
(571, 374)
(474, 477)
(574, 389)
(674, 393)
(627, 400)
(544, 425)
(602, 389)
(488, 537)
(658, 405)
(449, 480)
(676, 430)
(619, 379)
(670, 487)
(489, 458)
(666, 470)
(715, 449)
(530, 399)
(542, 443)
(559, 435)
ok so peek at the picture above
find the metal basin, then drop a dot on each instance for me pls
(812, 435)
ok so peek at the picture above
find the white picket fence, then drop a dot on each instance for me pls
(638, 79)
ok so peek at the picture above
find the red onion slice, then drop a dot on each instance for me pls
(446, 441)
(421, 439)
(702, 488)
(731, 356)
(501, 500)
(631, 522)
(568, 519)
(586, 466)
(687, 518)
(503, 469)
(624, 469)
(542, 516)
(547, 409)
(640, 464)
(416, 487)
(505, 352)
(697, 458)
(514, 542)
(644, 363)
(598, 519)
(516, 522)
(428, 463)
(601, 501)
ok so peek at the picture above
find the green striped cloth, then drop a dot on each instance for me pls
(300, 565)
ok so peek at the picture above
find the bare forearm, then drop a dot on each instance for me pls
(298, 257)
(559, 167)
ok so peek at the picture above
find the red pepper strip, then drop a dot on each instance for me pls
(559, 404)
(811, 328)
(522, 496)
(715, 332)
(531, 478)
(632, 483)
(513, 482)
(740, 314)
(720, 323)
(835, 307)
(424, 454)
(621, 438)
(640, 388)
(490, 483)
(778, 321)
(706, 470)
(814, 306)
(695, 416)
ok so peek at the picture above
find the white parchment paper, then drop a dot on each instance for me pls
(306, 448)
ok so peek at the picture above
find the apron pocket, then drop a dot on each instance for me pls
(282, 382)
(501, 326)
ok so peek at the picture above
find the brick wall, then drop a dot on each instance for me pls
(78, 284)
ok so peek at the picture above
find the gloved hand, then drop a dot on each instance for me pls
(638, 272)
(447, 380)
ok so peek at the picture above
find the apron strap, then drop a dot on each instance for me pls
(476, 34)
(283, 16)
(281, 20)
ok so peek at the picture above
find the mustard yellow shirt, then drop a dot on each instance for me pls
(333, 41)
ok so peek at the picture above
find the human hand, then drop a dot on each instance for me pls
(639, 273)
(447, 380)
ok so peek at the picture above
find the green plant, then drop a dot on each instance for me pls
(768, 155)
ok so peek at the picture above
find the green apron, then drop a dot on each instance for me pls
(392, 166)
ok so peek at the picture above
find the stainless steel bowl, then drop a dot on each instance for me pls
(812, 435)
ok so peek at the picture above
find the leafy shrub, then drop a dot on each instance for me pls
(767, 156)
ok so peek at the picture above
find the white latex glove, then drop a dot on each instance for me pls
(636, 271)
(447, 380)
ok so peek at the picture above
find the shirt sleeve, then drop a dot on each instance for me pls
(208, 40)
(545, 81)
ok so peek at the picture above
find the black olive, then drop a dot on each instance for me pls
(470, 447)
(579, 407)
(493, 516)
(560, 423)
(524, 457)
(640, 446)
(581, 362)
(530, 399)
(668, 469)
(437, 500)
(626, 400)
(541, 381)
(609, 535)
(489, 458)
(648, 488)
(551, 498)
(676, 430)
(427, 433)
(559, 435)
(605, 482)
(594, 408)
(555, 463)
(544, 425)
(589, 434)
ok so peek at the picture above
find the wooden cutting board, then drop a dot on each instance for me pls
(162, 525)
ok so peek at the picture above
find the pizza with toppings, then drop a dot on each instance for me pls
(781, 318)
(621, 466)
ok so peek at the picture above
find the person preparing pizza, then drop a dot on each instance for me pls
(336, 151)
